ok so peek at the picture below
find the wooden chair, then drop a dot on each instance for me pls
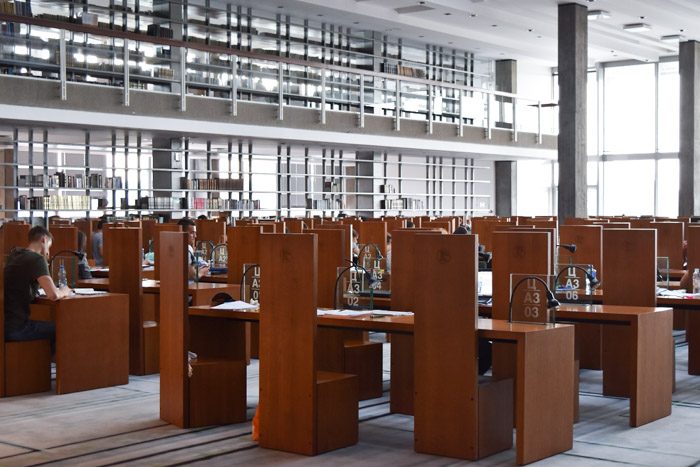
(343, 351)
(456, 415)
(301, 410)
(215, 394)
(25, 366)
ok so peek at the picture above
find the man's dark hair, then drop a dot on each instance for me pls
(36, 232)
(410, 225)
(461, 230)
(202, 217)
(186, 222)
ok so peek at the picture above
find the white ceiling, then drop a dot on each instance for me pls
(524, 29)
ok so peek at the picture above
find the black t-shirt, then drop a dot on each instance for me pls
(22, 269)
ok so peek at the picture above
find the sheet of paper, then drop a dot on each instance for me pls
(343, 312)
(236, 306)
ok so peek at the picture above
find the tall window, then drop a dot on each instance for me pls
(669, 112)
(534, 188)
(628, 188)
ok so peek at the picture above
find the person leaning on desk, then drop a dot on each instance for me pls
(195, 269)
(26, 270)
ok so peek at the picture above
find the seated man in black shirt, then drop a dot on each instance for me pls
(196, 268)
(26, 270)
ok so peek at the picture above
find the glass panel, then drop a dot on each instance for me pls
(534, 185)
(669, 112)
(667, 182)
(628, 188)
(629, 109)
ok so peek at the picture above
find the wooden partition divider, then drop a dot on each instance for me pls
(125, 277)
(301, 410)
(296, 225)
(174, 334)
(452, 416)
(85, 226)
(347, 228)
(589, 250)
(373, 232)
(485, 228)
(404, 281)
(332, 254)
(395, 224)
(514, 252)
(216, 391)
(210, 230)
(157, 229)
(242, 244)
(147, 232)
(589, 246)
(613, 225)
(64, 238)
(343, 351)
(669, 242)
(629, 261)
(438, 224)
(517, 252)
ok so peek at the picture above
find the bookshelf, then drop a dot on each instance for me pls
(77, 173)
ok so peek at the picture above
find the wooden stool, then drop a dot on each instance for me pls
(214, 395)
(27, 367)
(495, 415)
(337, 410)
(364, 359)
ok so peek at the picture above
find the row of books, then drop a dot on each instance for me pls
(224, 204)
(159, 202)
(226, 184)
(16, 8)
(402, 203)
(54, 202)
(63, 180)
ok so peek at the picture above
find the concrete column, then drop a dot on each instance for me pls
(689, 154)
(573, 63)
(505, 179)
(504, 171)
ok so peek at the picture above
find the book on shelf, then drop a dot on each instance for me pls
(223, 184)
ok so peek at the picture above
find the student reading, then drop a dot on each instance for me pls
(26, 270)
(196, 269)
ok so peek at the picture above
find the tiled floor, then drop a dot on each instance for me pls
(121, 425)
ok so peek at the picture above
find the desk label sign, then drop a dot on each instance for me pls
(251, 280)
(572, 282)
(355, 287)
(529, 300)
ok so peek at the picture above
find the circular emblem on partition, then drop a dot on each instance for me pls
(286, 256)
(443, 256)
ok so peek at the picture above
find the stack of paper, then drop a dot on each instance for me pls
(88, 291)
(391, 313)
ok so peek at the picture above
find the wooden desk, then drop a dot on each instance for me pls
(103, 271)
(543, 375)
(216, 278)
(92, 340)
(637, 358)
(201, 292)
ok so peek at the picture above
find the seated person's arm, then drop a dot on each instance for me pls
(687, 281)
(52, 293)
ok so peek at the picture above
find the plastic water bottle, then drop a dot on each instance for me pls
(696, 281)
(62, 281)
